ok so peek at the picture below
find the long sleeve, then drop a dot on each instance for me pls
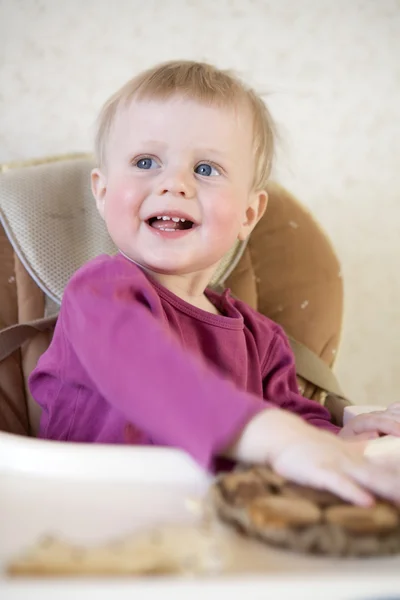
(280, 386)
(109, 319)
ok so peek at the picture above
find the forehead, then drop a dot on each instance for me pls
(185, 124)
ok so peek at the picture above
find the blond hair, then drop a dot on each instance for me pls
(198, 81)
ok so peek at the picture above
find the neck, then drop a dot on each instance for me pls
(189, 287)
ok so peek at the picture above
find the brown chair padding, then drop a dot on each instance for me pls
(291, 274)
(13, 408)
(31, 305)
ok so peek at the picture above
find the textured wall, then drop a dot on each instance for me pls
(332, 71)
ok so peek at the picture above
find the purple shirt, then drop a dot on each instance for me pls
(128, 351)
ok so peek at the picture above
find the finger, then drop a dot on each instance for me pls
(383, 423)
(367, 436)
(388, 427)
(343, 486)
(393, 411)
(383, 480)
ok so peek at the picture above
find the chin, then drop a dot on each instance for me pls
(167, 269)
(174, 267)
(173, 264)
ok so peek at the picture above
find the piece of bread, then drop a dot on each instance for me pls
(261, 504)
(164, 550)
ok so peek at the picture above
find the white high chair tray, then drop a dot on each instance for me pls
(89, 493)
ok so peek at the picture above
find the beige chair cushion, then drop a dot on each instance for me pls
(51, 220)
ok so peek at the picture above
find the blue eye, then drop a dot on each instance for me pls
(146, 163)
(206, 170)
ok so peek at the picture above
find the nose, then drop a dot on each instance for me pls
(178, 182)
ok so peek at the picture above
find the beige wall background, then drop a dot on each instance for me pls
(331, 72)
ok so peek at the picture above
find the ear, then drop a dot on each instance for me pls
(254, 212)
(99, 189)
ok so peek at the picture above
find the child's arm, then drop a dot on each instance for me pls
(280, 386)
(314, 457)
(108, 318)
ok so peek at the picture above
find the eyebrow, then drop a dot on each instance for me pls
(212, 151)
(206, 150)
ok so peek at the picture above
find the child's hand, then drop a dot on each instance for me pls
(314, 457)
(371, 425)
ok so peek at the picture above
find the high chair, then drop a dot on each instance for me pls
(288, 270)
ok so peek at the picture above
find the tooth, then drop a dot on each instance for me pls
(166, 219)
(183, 220)
(158, 218)
(175, 219)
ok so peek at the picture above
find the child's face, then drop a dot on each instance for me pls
(176, 189)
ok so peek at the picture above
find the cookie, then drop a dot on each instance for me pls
(322, 498)
(278, 511)
(243, 487)
(357, 519)
(260, 504)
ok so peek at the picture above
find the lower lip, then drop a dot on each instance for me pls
(171, 235)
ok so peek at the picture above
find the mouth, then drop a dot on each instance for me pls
(171, 223)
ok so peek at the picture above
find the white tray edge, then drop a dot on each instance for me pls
(147, 464)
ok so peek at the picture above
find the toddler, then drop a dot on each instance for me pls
(143, 351)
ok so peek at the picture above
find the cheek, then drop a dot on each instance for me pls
(123, 195)
(121, 203)
(227, 212)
